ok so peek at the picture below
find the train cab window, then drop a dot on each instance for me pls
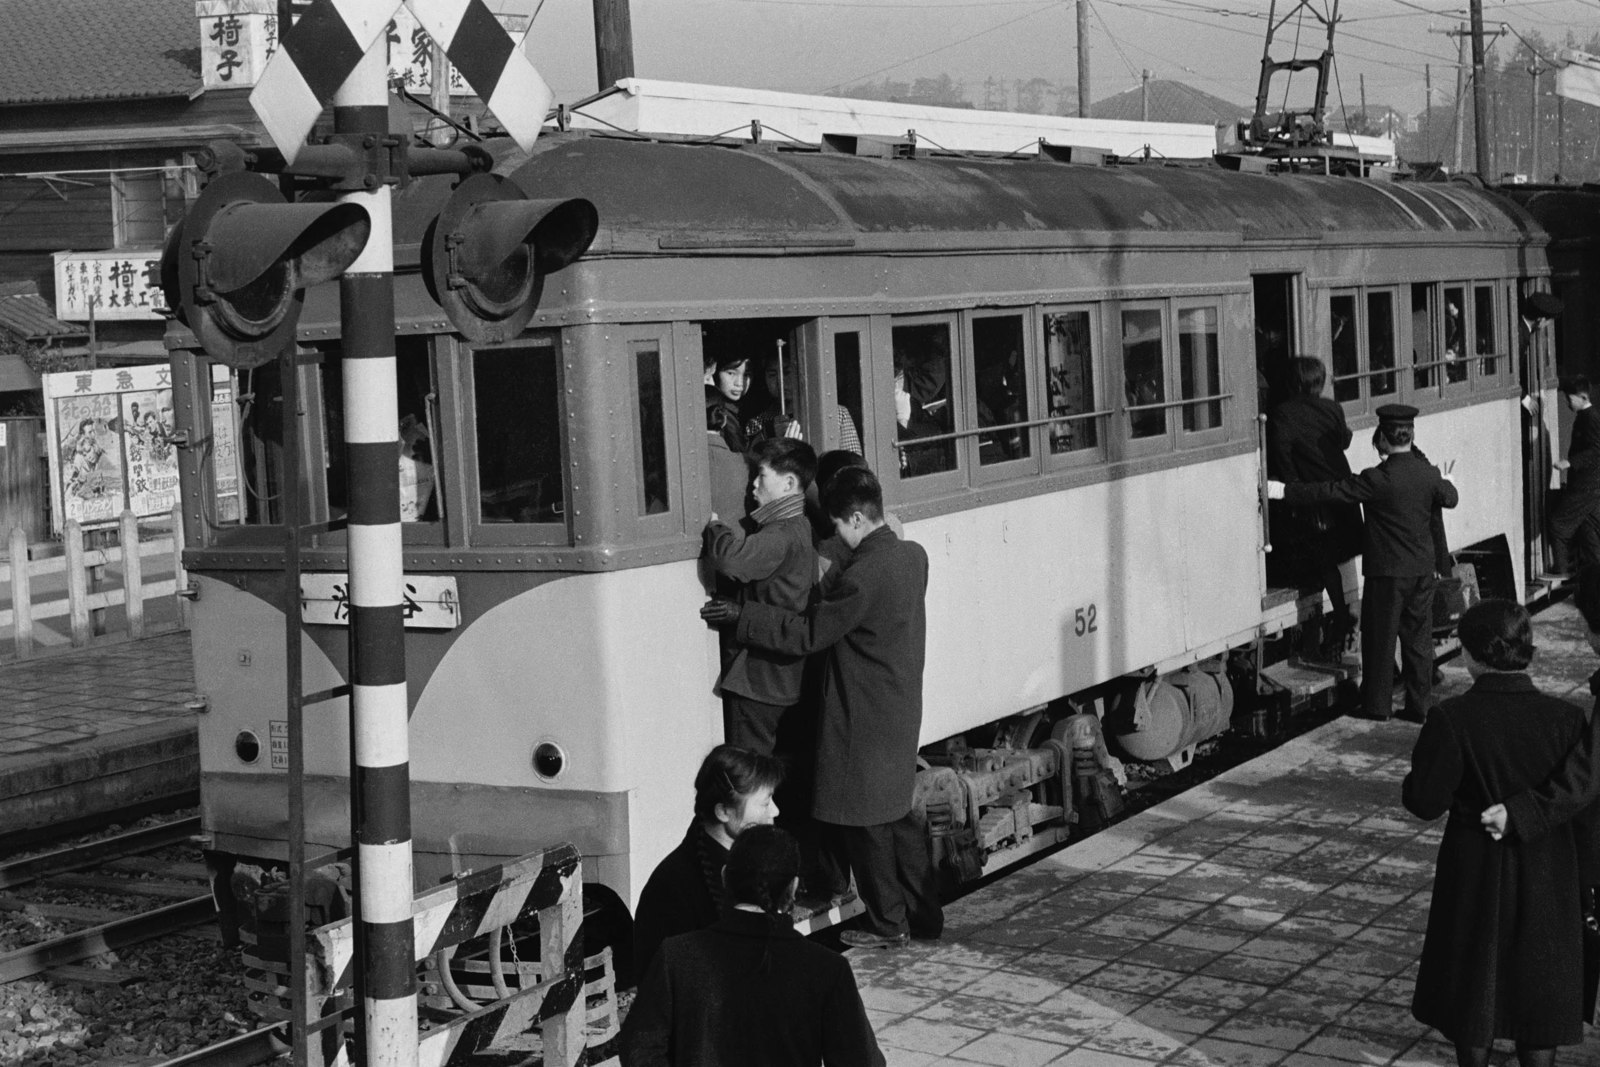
(1380, 344)
(999, 358)
(420, 491)
(923, 402)
(1069, 381)
(1144, 371)
(1200, 368)
(1485, 335)
(1455, 334)
(1425, 359)
(516, 411)
(1344, 335)
(649, 401)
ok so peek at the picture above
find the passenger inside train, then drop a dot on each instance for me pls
(922, 397)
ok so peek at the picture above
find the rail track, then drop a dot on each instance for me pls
(106, 872)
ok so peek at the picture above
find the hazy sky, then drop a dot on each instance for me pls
(815, 45)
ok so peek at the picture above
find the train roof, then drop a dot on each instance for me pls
(1569, 214)
(675, 195)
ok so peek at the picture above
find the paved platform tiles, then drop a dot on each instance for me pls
(1270, 917)
(64, 698)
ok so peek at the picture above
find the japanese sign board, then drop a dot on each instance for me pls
(111, 444)
(120, 284)
(237, 37)
(428, 601)
(411, 52)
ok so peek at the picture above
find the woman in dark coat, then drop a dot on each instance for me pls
(749, 991)
(1306, 439)
(1503, 953)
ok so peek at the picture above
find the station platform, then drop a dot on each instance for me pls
(1272, 916)
(96, 729)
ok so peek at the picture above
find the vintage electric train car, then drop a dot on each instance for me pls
(1088, 349)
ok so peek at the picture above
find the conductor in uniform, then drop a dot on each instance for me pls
(1399, 497)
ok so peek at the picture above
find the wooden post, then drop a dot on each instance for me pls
(96, 541)
(132, 574)
(180, 578)
(77, 584)
(21, 595)
(613, 41)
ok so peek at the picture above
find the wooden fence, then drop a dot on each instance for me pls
(84, 569)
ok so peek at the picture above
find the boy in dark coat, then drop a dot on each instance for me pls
(1306, 438)
(872, 625)
(1575, 520)
(749, 991)
(732, 792)
(1503, 953)
(776, 564)
(1399, 496)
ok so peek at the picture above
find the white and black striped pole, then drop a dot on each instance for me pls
(381, 789)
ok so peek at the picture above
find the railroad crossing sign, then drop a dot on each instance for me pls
(328, 41)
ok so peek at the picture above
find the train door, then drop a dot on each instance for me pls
(1275, 345)
(834, 358)
(1536, 367)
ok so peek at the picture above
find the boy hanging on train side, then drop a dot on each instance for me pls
(774, 564)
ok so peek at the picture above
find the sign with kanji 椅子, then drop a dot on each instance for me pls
(120, 284)
(237, 37)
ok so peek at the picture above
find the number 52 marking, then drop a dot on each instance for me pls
(1083, 621)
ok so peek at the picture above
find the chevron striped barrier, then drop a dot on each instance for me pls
(548, 885)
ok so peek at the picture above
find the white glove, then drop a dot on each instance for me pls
(1274, 490)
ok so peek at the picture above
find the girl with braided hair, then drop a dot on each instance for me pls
(749, 991)
(1503, 954)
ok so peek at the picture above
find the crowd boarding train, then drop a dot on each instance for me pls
(1091, 348)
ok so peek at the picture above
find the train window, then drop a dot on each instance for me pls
(1001, 386)
(922, 398)
(1144, 371)
(420, 492)
(1200, 369)
(1424, 338)
(847, 388)
(517, 413)
(1455, 334)
(1344, 336)
(649, 400)
(1380, 344)
(1069, 381)
(1484, 334)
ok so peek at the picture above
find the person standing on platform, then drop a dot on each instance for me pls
(749, 991)
(1575, 520)
(1399, 496)
(872, 625)
(1306, 439)
(1502, 957)
(732, 792)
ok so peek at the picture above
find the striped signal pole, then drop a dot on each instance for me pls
(381, 790)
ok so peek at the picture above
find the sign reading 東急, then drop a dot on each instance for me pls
(112, 445)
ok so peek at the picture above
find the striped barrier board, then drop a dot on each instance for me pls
(548, 884)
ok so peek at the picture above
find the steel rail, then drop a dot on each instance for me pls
(23, 871)
(70, 948)
(246, 1050)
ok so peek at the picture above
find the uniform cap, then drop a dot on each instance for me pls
(1541, 305)
(1397, 414)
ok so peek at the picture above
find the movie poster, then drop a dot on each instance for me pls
(111, 444)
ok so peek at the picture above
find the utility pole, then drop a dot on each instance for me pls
(1534, 70)
(1366, 119)
(1480, 115)
(1144, 96)
(1460, 34)
(1427, 110)
(613, 41)
(1083, 59)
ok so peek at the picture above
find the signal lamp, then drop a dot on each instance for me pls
(235, 270)
(485, 257)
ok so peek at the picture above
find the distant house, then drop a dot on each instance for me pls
(1169, 101)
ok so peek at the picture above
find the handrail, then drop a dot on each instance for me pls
(954, 435)
(1185, 402)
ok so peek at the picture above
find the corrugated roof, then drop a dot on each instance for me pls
(58, 51)
(25, 313)
(1170, 101)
